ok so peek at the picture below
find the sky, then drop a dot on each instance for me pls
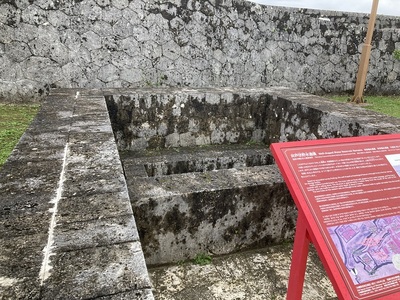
(386, 7)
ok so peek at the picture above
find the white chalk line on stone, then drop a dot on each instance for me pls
(48, 249)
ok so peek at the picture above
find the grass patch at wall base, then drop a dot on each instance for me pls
(389, 105)
(14, 119)
(202, 259)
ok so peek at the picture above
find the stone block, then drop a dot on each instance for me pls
(96, 232)
(142, 294)
(96, 272)
(24, 289)
(21, 257)
(92, 207)
(90, 184)
(30, 178)
(189, 208)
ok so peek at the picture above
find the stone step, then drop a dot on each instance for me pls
(218, 211)
(155, 163)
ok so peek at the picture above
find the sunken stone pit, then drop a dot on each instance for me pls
(198, 169)
(106, 182)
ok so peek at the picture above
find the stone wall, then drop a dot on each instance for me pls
(124, 43)
(176, 117)
(158, 118)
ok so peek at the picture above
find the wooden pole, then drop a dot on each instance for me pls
(365, 55)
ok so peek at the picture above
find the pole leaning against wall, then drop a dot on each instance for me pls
(365, 55)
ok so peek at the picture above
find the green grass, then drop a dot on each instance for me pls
(396, 54)
(389, 105)
(202, 259)
(14, 119)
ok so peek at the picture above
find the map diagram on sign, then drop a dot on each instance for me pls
(370, 249)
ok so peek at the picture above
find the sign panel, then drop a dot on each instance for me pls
(349, 189)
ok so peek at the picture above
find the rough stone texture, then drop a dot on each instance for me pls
(214, 212)
(161, 162)
(225, 201)
(175, 221)
(300, 116)
(64, 204)
(260, 274)
(182, 117)
(195, 43)
(97, 271)
(66, 171)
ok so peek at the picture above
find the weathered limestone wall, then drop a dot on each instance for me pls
(121, 43)
(176, 117)
(157, 118)
(219, 212)
(189, 193)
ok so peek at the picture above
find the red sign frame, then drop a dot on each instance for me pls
(347, 192)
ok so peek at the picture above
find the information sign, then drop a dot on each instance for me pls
(347, 192)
